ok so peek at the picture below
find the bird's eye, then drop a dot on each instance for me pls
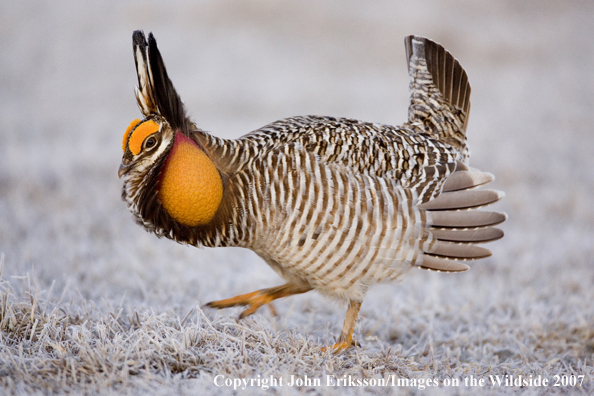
(150, 142)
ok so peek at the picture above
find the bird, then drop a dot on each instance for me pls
(331, 204)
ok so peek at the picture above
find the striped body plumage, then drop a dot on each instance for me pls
(331, 204)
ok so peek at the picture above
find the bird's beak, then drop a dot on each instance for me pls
(122, 170)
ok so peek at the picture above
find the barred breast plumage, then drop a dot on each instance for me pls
(331, 204)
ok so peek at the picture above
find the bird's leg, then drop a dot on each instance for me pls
(261, 297)
(346, 336)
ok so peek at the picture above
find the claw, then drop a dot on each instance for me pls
(255, 300)
(272, 309)
(346, 337)
(339, 347)
(343, 344)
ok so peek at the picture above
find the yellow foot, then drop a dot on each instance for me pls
(255, 300)
(261, 297)
(338, 347)
(346, 336)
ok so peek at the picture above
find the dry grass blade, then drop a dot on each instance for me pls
(48, 347)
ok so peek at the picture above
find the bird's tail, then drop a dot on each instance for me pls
(455, 224)
(440, 92)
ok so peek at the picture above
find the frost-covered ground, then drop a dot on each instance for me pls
(91, 303)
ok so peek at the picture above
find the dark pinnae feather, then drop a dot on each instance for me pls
(139, 42)
(144, 91)
(168, 101)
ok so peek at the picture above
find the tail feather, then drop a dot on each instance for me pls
(440, 92)
(463, 199)
(440, 264)
(458, 251)
(460, 219)
(466, 179)
(474, 235)
(455, 224)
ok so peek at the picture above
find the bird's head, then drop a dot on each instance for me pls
(161, 158)
(145, 141)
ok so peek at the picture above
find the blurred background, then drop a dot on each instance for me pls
(66, 97)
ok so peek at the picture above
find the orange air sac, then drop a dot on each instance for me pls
(191, 188)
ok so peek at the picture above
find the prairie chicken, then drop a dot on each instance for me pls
(331, 204)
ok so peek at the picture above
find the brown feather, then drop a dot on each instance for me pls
(463, 199)
(440, 264)
(476, 235)
(466, 218)
(462, 180)
(458, 250)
